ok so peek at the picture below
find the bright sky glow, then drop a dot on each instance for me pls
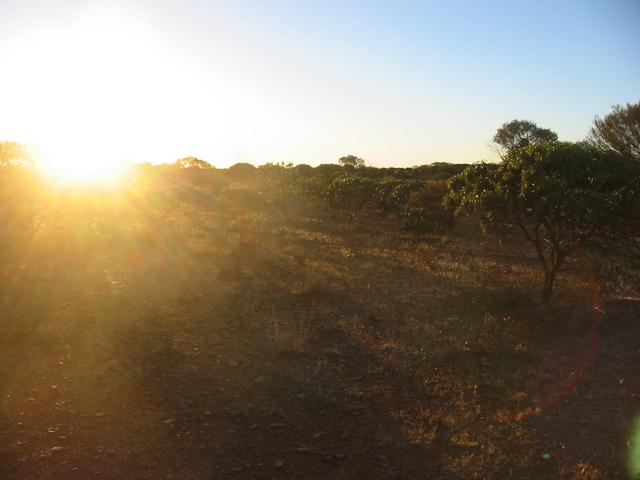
(95, 84)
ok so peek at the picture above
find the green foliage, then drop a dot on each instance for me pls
(383, 194)
(303, 170)
(472, 189)
(619, 131)
(404, 190)
(559, 195)
(327, 170)
(192, 162)
(350, 193)
(276, 172)
(418, 220)
(520, 134)
(391, 194)
(241, 172)
(240, 197)
(351, 162)
(282, 185)
(436, 171)
(425, 210)
(316, 185)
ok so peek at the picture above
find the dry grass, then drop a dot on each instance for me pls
(343, 353)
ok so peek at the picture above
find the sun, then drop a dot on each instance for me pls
(79, 94)
(79, 163)
(94, 93)
(82, 170)
(105, 86)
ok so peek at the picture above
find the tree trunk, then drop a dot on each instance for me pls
(549, 280)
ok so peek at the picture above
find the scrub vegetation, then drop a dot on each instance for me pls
(444, 321)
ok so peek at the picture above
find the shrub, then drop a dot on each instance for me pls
(350, 193)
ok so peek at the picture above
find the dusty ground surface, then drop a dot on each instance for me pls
(178, 351)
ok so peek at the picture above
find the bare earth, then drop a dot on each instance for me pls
(306, 351)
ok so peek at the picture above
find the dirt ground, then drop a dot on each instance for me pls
(309, 351)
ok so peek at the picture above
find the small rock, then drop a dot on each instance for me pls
(279, 463)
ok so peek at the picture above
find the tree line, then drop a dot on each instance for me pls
(560, 197)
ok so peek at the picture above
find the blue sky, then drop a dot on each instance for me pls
(398, 83)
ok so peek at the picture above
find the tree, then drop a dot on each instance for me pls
(618, 131)
(425, 211)
(241, 172)
(383, 194)
(559, 195)
(351, 162)
(281, 184)
(15, 154)
(192, 162)
(303, 170)
(519, 134)
(437, 170)
(350, 193)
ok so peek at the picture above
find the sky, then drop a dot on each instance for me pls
(399, 83)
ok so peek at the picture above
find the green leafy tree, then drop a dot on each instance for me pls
(425, 211)
(559, 195)
(618, 131)
(317, 185)
(282, 184)
(241, 172)
(404, 191)
(350, 193)
(437, 170)
(519, 134)
(303, 170)
(383, 194)
(391, 194)
(351, 163)
(193, 162)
